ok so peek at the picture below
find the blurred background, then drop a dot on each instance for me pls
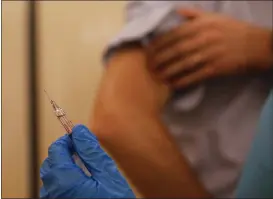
(55, 46)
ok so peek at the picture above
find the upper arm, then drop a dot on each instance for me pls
(129, 81)
(128, 87)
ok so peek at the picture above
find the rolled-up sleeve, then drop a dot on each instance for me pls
(141, 20)
(146, 18)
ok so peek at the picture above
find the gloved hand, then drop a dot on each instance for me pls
(62, 178)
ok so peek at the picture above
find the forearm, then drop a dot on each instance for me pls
(127, 122)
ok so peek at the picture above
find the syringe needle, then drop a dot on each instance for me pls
(47, 96)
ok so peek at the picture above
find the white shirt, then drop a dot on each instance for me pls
(214, 123)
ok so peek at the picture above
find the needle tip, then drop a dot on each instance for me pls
(47, 95)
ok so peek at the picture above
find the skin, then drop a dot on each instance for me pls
(210, 45)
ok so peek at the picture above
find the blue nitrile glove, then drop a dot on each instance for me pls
(62, 178)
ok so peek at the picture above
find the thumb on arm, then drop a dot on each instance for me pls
(190, 13)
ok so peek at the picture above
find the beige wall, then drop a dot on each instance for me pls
(14, 101)
(72, 37)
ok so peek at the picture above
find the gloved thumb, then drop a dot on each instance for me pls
(90, 151)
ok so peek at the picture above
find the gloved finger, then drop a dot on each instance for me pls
(89, 150)
(45, 168)
(60, 152)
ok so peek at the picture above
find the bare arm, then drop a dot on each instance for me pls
(127, 122)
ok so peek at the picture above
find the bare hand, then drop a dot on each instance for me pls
(210, 45)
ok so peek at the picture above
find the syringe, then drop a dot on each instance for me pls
(68, 126)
